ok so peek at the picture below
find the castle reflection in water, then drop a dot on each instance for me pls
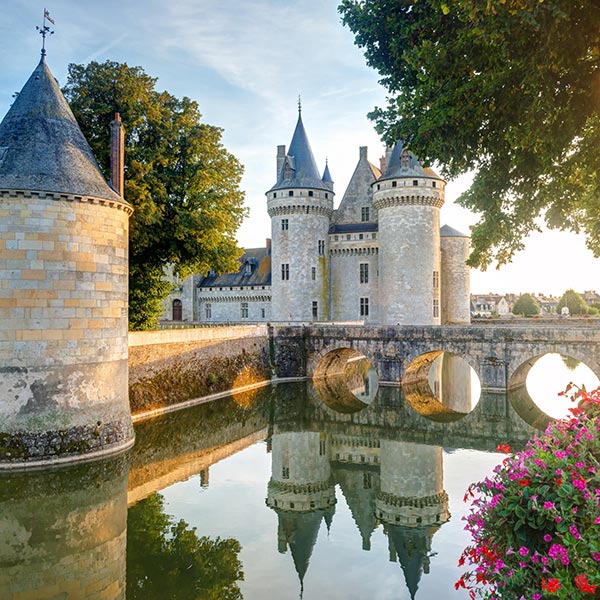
(64, 531)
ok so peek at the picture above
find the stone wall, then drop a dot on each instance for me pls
(173, 366)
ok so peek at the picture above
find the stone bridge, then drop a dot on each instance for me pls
(501, 355)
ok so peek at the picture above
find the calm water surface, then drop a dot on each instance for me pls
(344, 490)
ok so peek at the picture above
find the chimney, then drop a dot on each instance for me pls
(382, 164)
(269, 246)
(117, 154)
(280, 159)
(388, 154)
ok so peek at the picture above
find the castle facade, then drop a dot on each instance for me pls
(380, 257)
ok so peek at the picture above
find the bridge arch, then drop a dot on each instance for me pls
(332, 359)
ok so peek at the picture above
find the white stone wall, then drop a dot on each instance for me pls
(455, 280)
(346, 256)
(226, 304)
(409, 253)
(302, 456)
(298, 246)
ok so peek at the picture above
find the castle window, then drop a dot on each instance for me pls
(311, 193)
(436, 280)
(364, 307)
(208, 311)
(326, 195)
(436, 308)
(348, 237)
(373, 236)
(360, 236)
(378, 186)
(364, 272)
(244, 310)
(285, 473)
(313, 273)
(285, 224)
(367, 481)
(433, 184)
(364, 213)
(321, 247)
(415, 182)
(248, 269)
(285, 272)
(263, 313)
(177, 310)
(315, 309)
(394, 183)
(274, 194)
(290, 193)
(322, 447)
(336, 237)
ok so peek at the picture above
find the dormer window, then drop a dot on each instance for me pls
(287, 171)
(247, 269)
(405, 159)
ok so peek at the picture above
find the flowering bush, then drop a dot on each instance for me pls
(535, 524)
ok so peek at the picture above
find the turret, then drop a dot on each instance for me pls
(408, 199)
(300, 205)
(63, 300)
(456, 286)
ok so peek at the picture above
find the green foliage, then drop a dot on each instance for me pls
(574, 302)
(181, 181)
(168, 561)
(507, 88)
(526, 306)
(592, 310)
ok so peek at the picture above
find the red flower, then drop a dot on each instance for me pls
(503, 448)
(551, 585)
(584, 585)
(460, 583)
(524, 482)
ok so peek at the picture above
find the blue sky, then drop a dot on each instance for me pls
(246, 62)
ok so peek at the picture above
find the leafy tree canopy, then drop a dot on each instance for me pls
(181, 181)
(574, 302)
(526, 306)
(507, 88)
(168, 561)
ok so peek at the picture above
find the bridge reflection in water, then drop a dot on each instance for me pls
(64, 531)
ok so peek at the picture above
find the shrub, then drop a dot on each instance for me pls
(535, 524)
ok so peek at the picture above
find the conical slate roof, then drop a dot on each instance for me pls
(299, 168)
(326, 174)
(42, 147)
(447, 231)
(396, 167)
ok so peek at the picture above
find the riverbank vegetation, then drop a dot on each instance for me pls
(535, 523)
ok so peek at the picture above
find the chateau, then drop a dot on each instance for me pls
(380, 257)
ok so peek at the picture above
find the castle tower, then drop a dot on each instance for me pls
(300, 205)
(456, 285)
(412, 504)
(408, 199)
(301, 491)
(63, 293)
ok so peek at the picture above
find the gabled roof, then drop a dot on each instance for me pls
(405, 164)
(255, 270)
(42, 147)
(299, 169)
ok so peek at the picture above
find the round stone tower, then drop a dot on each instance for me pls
(63, 292)
(408, 199)
(300, 205)
(456, 285)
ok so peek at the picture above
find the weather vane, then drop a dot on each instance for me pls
(45, 30)
(299, 105)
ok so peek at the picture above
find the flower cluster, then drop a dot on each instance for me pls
(535, 524)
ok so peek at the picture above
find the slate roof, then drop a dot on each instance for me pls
(300, 164)
(42, 147)
(259, 265)
(353, 227)
(395, 168)
(447, 231)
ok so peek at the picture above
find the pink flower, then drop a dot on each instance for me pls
(523, 551)
(547, 538)
(549, 506)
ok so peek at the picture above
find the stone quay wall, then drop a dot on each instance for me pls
(172, 366)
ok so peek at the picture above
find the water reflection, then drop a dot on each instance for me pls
(63, 532)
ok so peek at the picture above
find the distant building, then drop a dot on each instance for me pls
(490, 305)
(380, 257)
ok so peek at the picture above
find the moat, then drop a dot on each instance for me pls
(339, 490)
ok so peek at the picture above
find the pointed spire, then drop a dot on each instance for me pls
(403, 163)
(326, 174)
(44, 147)
(299, 169)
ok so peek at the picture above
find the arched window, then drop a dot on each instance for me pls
(177, 310)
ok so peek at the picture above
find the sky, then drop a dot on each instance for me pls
(246, 62)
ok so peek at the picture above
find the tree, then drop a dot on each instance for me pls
(507, 88)
(181, 181)
(167, 560)
(526, 306)
(574, 302)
